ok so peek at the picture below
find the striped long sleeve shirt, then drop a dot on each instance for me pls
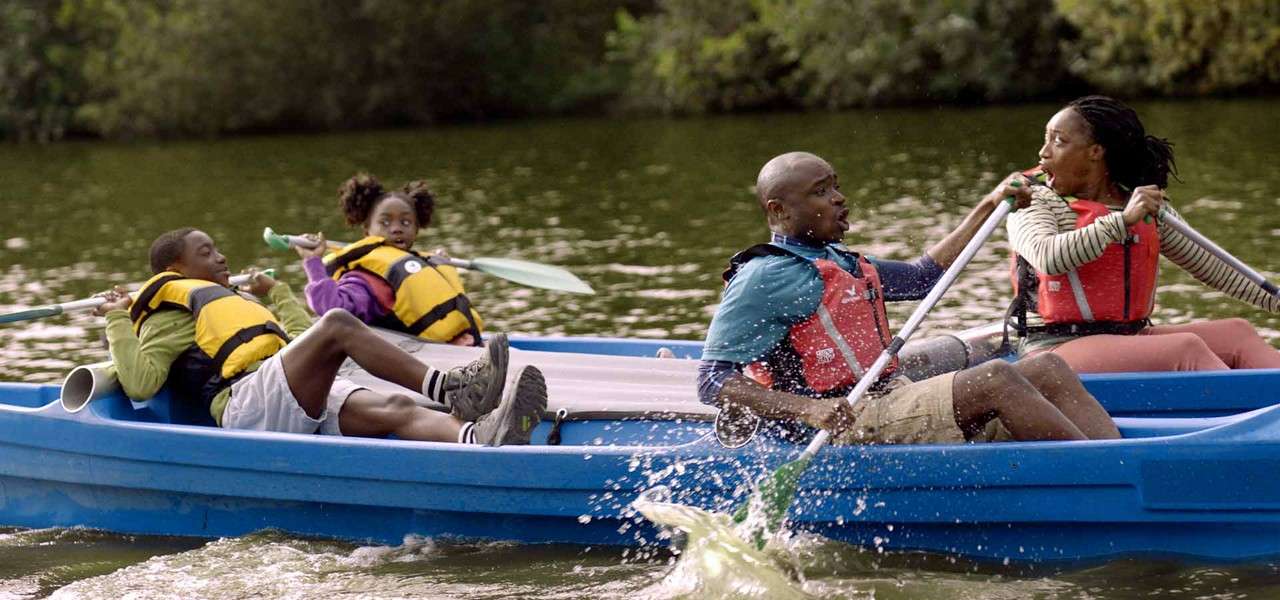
(1045, 235)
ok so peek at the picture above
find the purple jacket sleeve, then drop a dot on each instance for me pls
(350, 292)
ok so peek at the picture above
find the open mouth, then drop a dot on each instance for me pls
(1048, 175)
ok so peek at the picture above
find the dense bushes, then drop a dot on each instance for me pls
(182, 67)
(204, 67)
(696, 57)
(41, 75)
(1178, 47)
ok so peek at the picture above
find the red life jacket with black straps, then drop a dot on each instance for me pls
(1114, 293)
(826, 354)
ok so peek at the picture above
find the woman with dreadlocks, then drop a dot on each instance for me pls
(1087, 250)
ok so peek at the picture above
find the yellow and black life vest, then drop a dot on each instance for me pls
(232, 332)
(429, 300)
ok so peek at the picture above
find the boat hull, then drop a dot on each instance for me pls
(1202, 488)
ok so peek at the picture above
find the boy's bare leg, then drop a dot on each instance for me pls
(369, 414)
(311, 361)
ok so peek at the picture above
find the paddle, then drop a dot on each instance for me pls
(1216, 250)
(778, 491)
(523, 272)
(50, 310)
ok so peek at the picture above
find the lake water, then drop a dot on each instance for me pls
(647, 211)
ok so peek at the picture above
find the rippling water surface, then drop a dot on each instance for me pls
(647, 211)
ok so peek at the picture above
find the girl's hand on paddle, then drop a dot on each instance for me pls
(117, 299)
(259, 283)
(833, 414)
(1146, 200)
(317, 251)
(1016, 185)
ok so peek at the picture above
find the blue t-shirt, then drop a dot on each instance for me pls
(770, 294)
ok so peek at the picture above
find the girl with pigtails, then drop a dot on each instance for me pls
(380, 279)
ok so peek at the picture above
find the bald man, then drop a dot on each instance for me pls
(803, 317)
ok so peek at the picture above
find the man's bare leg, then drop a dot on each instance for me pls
(997, 390)
(1053, 377)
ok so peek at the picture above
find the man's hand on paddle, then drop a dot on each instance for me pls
(317, 251)
(1016, 185)
(259, 283)
(117, 298)
(1146, 200)
(832, 414)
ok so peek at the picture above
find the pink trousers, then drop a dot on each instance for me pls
(1203, 346)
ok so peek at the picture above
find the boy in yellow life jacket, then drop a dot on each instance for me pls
(380, 279)
(253, 368)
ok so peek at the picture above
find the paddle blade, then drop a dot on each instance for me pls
(275, 240)
(29, 314)
(771, 501)
(532, 274)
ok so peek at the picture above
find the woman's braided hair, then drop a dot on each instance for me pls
(358, 196)
(1133, 158)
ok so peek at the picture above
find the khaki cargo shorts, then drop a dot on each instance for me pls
(915, 412)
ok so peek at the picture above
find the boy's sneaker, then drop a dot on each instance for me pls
(521, 409)
(475, 388)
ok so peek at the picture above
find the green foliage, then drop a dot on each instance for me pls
(696, 57)
(205, 67)
(1180, 47)
(210, 66)
(903, 51)
(41, 49)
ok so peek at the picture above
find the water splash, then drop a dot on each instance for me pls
(716, 560)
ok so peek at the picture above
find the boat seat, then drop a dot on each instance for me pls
(161, 408)
(1134, 427)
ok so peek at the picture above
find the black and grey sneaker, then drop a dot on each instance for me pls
(521, 409)
(474, 389)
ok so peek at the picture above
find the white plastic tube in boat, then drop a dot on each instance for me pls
(87, 383)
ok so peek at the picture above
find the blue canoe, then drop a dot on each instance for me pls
(1195, 476)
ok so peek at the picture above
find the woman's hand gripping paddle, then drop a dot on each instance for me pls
(522, 272)
(778, 491)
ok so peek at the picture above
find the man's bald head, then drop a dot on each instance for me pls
(779, 174)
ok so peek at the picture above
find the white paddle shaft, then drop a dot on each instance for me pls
(302, 242)
(1221, 254)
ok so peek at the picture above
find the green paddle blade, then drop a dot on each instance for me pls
(771, 501)
(33, 313)
(532, 274)
(275, 240)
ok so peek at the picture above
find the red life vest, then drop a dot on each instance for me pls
(827, 353)
(1117, 287)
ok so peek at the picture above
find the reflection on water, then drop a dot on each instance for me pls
(83, 564)
(647, 211)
